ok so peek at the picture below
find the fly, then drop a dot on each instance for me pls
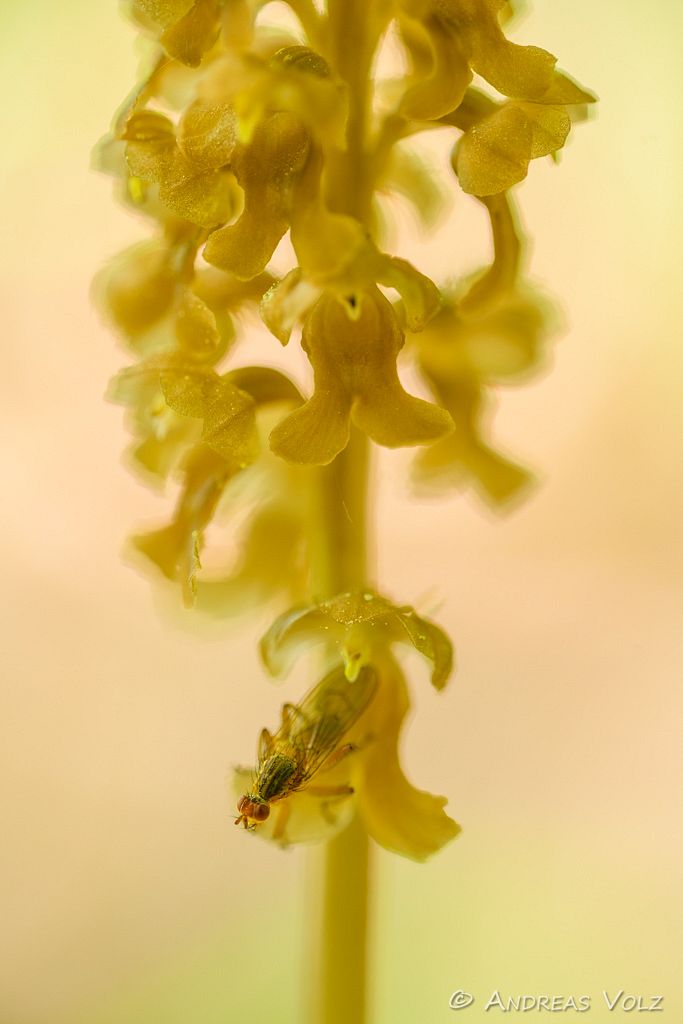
(307, 742)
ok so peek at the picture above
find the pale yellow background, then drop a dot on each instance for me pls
(127, 895)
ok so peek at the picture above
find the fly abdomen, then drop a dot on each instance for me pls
(274, 775)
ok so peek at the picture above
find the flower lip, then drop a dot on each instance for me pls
(355, 379)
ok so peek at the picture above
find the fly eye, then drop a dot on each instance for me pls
(242, 803)
(260, 812)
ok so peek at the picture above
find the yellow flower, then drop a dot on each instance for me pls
(354, 361)
(361, 627)
(226, 444)
(495, 151)
(189, 185)
(176, 549)
(448, 40)
(489, 332)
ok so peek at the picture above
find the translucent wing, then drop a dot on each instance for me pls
(313, 729)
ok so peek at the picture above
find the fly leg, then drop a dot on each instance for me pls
(332, 794)
(335, 757)
(329, 790)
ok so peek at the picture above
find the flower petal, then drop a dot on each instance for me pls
(150, 138)
(207, 198)
(395, 419)
(201, 194)
(269, 563)
(464, 457)
(314, 434)
(421, 298)
(362, 624)
(196, 329)
(266, 169)
(228, 413)
(174, 549)
(138, 287)
(440, 70)
(286, 302)
(189, 38)
(431, 641)
(207, 135)
(399, 817)
(265, 385)
(297, 628)
(163, 12)
(495, 153)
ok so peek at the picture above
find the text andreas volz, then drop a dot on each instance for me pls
(619, 1000)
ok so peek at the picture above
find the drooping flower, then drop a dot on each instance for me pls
(360, 628)
(495, 151)
(227, 443)
(354, 361)
(190, 185)
(490, 331)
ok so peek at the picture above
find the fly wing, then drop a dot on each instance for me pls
(326, 714)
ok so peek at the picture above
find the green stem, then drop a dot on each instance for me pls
(353, 38)
(339, 515)
(339, 953)
(339, 555)
(341, 996)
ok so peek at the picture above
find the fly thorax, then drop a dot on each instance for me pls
(274, 776)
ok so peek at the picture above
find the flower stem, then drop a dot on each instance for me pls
(338, 535)
(339, 552)
(339, 954)
(341, 994)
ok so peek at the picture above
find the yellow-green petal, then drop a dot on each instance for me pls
(189, 38)
(175, 549)
(495, 153)
(354, 363)
(138, 287)
(420, 296)
(163, 12)
(266, 169)
(398, 816)
(286, 302)
(440, 71)
(207, 135)
(205, 198)
(315, 433)
(361, 624)
(229, 426)
(196, 329)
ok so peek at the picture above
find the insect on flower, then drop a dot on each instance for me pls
(307, 743)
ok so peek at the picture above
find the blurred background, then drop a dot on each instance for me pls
(127, 896)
